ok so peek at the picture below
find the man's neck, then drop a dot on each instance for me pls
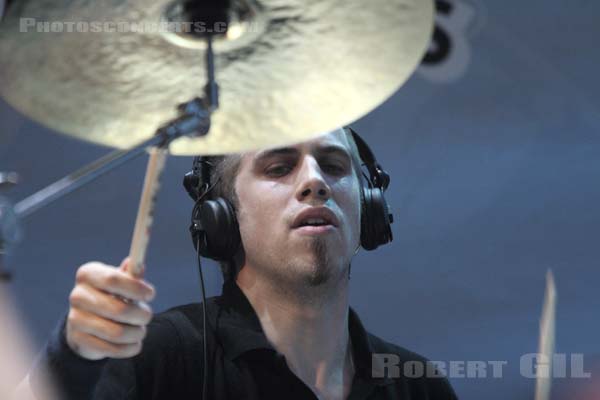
(313, 336)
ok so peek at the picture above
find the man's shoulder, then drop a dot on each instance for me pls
(191, 310)
(381, 346)
(186, 318)
(172, 335)
(388, 360)
(378, 346)
(405, 368)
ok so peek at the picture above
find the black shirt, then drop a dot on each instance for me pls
(243, 364)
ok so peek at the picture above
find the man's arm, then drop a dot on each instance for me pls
(107, 319)
(74, 376)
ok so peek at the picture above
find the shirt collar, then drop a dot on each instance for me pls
(238, 326)
(240, 331)
(363, 348)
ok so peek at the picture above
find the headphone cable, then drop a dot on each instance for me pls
(204, 324)
(207, 190)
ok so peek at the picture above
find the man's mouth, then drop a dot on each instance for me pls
(314, 222)
(315, 219)
(314, 229)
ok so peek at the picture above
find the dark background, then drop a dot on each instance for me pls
(494, 152)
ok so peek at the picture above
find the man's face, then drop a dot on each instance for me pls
(299, 210)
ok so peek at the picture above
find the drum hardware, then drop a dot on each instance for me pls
(194, 120)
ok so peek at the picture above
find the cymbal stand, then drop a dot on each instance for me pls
(8, 228)
(193, 121)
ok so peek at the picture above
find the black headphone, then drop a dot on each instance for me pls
(214, 224)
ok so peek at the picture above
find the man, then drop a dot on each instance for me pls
(282, 327)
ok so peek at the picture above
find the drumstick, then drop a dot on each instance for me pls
(546, 350)
(143, 222)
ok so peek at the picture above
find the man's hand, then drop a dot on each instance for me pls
(108, 313)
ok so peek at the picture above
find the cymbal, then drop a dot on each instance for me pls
(290, 69)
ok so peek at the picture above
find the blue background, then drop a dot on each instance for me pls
(494, 154)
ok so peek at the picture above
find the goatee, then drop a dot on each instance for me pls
(322, 268)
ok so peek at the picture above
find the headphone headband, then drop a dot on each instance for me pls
(377, 176)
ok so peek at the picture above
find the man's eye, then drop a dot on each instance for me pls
(278, 170)
(334, 168)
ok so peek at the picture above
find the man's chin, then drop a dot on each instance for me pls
(319, 268)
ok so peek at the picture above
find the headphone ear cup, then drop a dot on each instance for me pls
(366, 234)
(198, 234)
(382, 218)
(376, 220)
(216, 229)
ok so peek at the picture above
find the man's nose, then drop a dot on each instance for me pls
(312, 184)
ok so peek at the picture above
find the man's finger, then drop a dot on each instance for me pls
(113, 332)
(96, 348)
(94, 301)
(115, 281)
(127, 267)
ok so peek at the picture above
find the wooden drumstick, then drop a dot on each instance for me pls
(143, 222)
(546, 350)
